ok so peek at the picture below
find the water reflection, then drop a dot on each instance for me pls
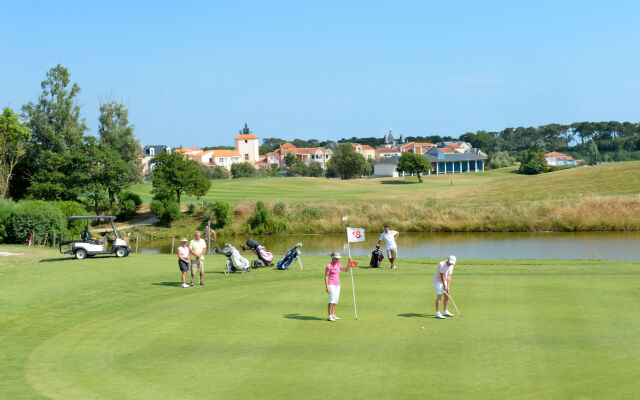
(617, 246)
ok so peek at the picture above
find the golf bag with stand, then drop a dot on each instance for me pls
(291, 256)
(376, 258)
(265, 258)
(235, 262)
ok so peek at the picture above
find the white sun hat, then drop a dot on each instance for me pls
(452, 259)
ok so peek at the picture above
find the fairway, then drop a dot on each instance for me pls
(108, 328)
(500, 185)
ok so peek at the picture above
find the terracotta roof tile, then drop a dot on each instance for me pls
(240, 137)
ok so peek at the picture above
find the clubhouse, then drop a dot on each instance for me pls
(454, 163)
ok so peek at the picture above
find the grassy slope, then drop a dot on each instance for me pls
(605, 197)
(492, 186)
(120, 328)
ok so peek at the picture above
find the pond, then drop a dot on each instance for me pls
(615, 246)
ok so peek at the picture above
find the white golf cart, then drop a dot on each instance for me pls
(87, 246)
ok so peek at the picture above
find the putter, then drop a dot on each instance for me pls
(454, 305)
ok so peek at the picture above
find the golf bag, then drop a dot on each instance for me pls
(235, 262)
(291, 256)
(376, 258)
(265, 258)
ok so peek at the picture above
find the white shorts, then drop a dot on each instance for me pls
(334, 294)
(439, 287)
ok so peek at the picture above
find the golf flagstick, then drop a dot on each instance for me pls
(300, 262)
(353, 288)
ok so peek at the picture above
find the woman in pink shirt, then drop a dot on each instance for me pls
(332, 283)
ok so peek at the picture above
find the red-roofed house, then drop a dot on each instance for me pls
(416, 147)
(306, 154)
(384, 153)
(188, 150)
(556, 159)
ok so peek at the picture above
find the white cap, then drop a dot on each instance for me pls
(335, 254)
(452, 260)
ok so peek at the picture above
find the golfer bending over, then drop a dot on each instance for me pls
(332, 283)
(389, 238)
(442, 284)
(183, 260)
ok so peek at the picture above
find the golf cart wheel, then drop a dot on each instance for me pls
(256, 264)
(80, 254)
(122, 252)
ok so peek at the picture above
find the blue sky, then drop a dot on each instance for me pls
(192, 73)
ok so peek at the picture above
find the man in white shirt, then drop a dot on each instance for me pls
(389, 238)
(197, 247)
(442, 284)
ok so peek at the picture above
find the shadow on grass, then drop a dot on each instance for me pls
(56, 259)
(302, 317)
(398, 182)
(414, 315)
(175, 284)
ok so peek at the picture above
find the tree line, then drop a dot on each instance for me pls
(46, 153)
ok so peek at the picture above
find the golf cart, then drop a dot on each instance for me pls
(87, 246)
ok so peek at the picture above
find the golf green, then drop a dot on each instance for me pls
(108, 328)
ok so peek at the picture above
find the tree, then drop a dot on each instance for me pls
(242, 170)
(289, 159)
(346, 162)
(13, 136)
(413, 163)
(56, 133)
(119, 143)
(175, 174)
(298, 168)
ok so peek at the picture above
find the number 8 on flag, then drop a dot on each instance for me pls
(355, 234)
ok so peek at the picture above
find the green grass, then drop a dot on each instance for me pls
(109, 328)
(604, 197)
(502, 185)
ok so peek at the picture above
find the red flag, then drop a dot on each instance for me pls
(353, 264)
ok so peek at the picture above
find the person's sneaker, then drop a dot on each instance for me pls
(393, 267)
(185, 285)
(336, 317)
(446, 313)
(201, 283)
(331, 318)
(439, 316)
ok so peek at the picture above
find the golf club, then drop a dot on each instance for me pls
(454, 305)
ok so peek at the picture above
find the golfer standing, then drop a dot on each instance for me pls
(390, 238)
(197, 248)
(332, 284)
(442, 285)
(183, 260)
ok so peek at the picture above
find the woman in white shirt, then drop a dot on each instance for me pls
(183, 260)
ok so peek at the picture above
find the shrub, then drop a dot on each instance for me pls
(264, 221)
(6, 208)
(129, 204)
(298, 168)
(280, 208)
(39, 217)
(222, 212)
(315, 169)
(219, 172)
(242, 170)
(71, 208)
(331, 172)
(309, 213)
(166, 208)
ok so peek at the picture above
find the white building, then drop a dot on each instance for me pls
(247, 144)
(148, 152)
(386, 168)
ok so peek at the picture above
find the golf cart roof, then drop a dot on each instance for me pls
(93, 217)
